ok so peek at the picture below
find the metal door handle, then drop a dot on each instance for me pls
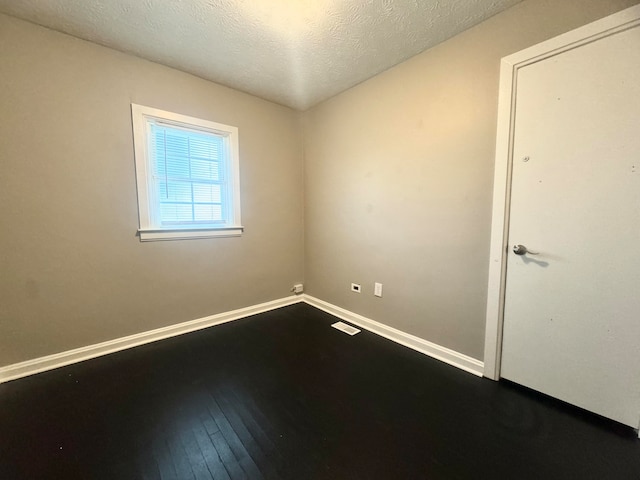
(522, 250)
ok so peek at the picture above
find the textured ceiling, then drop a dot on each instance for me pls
(293, 52)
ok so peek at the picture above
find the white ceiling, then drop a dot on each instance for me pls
(293, 52)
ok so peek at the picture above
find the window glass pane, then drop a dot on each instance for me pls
(204, 192)
(175, 167)
(175, 191)
(206, 148)
(211, 213)
(205, 170)
(173, 212)
(176, 142)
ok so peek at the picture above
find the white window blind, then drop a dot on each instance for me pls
(188, 176)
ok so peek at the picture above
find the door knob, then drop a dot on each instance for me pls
(522, 250)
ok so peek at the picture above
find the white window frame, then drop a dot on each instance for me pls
(150, 230)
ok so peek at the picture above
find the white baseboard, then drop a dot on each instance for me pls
(443, 354)
(49, 362)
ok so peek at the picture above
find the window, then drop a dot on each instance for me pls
(187, 176)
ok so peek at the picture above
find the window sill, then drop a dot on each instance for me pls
(152, 235)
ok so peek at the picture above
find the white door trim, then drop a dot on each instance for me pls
(509, 67)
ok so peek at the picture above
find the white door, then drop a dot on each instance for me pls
(572, 309)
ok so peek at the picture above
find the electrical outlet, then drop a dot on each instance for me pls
(377, 289)
(298, 288)
(355, 287)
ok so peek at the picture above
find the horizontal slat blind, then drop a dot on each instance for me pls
(188, 173)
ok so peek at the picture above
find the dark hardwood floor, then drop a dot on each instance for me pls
(283, 395)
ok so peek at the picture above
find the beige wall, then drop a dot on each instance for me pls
(72, 271)
(398, 179)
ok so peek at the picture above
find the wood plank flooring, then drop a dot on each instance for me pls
(281, 395)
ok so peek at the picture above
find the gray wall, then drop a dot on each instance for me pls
(398, 179)
(397, 171)
(72, 271)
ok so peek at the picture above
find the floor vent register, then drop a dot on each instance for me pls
(343, 327)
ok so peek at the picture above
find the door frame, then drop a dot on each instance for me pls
(509, 68)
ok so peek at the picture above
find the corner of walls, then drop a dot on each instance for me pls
(77, 273)
(399, 177)
(61, 359)
(446, 355)
(303, 198)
